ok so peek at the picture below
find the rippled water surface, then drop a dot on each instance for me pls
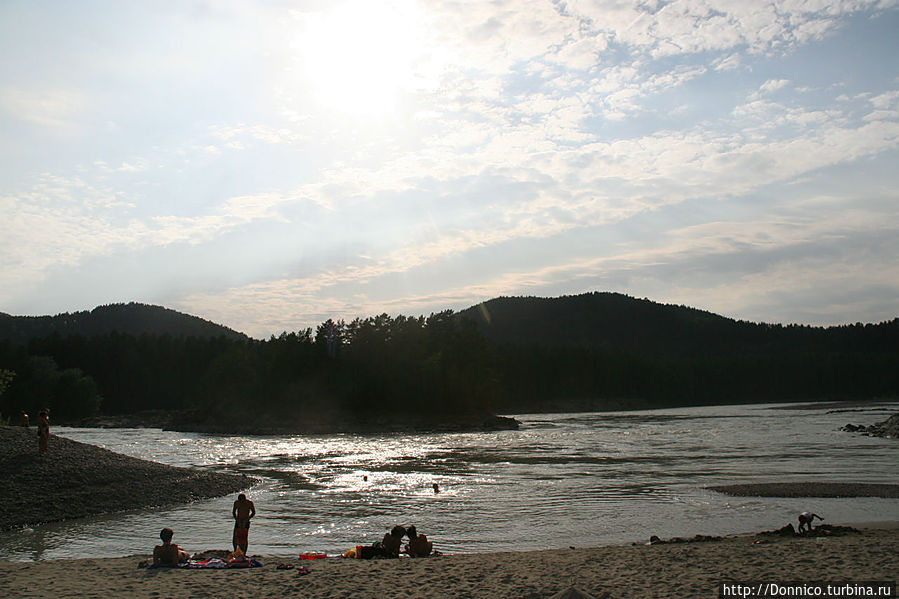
(562, 480)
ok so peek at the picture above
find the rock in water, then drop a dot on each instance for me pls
(889, 428)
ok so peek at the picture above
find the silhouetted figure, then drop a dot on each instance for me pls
(242, 511)
(436, 488)
(43, 430)
(168, 554)
(806, 519)
(419, 545)
(392, 542)
(23, 419)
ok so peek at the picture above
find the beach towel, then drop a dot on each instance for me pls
(213, 563)
(571, 593)
(216, 564)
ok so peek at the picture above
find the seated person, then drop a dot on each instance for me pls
(393, 540)
(419, 545)
(168, 554)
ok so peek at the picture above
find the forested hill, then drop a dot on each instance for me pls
(131, 319)
(612, 321)
(611, 351)
(444, 372)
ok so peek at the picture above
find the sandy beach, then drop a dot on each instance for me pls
(694, 569)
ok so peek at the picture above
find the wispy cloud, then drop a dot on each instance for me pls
(54, 109)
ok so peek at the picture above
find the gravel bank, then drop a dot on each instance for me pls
(76, 479)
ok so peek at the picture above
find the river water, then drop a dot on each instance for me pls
(561, 480)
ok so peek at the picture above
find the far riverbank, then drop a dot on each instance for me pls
(313, 424)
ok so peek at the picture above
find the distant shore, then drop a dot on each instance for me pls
(187, 421)
(75, 479)
(670, 570)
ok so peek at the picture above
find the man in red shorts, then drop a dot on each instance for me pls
(242, 511)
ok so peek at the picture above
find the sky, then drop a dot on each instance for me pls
(268, 165)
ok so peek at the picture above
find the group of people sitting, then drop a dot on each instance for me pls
(390, 545)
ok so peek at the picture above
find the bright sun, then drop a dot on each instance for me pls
(359, 56)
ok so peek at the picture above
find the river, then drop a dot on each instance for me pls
(561, 480)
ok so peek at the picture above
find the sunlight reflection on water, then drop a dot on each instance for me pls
(563, 479)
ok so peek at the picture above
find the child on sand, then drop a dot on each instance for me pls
(806, 519)
(168, 554)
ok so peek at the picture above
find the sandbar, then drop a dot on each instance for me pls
(810, 489)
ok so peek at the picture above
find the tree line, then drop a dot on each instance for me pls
(378, 367)
(386, 369)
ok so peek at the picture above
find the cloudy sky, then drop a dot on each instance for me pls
(269, 165)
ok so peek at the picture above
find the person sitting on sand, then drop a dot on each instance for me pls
(242, 511)
(168, 554)
(419, 545)
(806, 519)
(392, 542)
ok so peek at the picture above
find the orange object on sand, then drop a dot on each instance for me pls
(313, 555)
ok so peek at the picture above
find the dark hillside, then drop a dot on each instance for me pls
(616, 322)
(598, 320)
(611, 351)
(374, 374)
(444, 372)
(131, 319)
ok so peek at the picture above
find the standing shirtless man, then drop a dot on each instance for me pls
(242, 511)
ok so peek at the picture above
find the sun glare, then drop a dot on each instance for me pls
(359, 57)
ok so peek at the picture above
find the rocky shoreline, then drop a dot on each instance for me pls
(75, 479)
(787, 531)
(888, 429)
